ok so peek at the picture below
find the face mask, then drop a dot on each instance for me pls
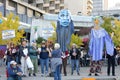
(14, 66)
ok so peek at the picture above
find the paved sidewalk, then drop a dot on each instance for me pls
(84, 71)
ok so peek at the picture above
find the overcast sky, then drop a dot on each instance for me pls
(112, 3)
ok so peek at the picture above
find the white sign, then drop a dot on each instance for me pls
(7, 34)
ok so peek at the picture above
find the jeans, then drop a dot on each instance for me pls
(44, 64)
(17, 78)
(75, 63)
(57, 74)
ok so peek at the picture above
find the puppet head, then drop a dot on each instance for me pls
(97, 20)
(64, 17)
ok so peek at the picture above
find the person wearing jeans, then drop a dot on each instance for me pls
(56, 62)
(44, 58)
(75, 55)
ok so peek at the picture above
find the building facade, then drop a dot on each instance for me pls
(82, 6)
(54, 6)
(99, 6)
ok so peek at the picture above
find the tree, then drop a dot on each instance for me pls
(11, 22)
(112, 29)
(116, 30)
(53, 38)
(107, 24)
(76, 39)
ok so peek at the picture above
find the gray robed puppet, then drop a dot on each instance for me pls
(64, 30)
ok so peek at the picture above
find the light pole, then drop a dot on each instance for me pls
(4, 2)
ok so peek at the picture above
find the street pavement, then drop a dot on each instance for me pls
(84, 71)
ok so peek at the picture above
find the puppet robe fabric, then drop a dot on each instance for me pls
(64, 35)
(100, 39)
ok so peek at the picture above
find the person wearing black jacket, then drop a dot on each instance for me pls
(75, 55)
(23, 56)
(111, 62)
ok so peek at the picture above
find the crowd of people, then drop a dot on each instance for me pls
(50, 58)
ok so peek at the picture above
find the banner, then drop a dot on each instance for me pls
(7, 34)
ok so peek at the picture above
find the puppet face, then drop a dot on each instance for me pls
(64, 17)
(96, 21)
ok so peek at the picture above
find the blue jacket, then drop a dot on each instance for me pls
(12, 72)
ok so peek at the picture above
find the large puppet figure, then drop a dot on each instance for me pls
(99, 39)
(64, 30)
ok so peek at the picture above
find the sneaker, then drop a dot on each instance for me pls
(42, 75)
(72, 73)
(24, 75)
(34, 74)
(96, 74)
(113, 75)
(78, 73)
(29, 74)
(89, 74)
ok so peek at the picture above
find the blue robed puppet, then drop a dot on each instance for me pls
(99, 39)
(64, 30)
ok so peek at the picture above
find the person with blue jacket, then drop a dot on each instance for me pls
(14, 72)
(56, 61)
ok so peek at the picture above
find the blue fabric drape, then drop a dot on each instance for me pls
(98, 40)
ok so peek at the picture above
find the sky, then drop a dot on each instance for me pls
(111, 3)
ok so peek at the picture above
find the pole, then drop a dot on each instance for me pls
(4, 2)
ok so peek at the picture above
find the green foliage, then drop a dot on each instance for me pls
(39, 40)
(53, 38)
(11, 23)
(113, 31)
(76, 39)
(107, 24)
(116, 30)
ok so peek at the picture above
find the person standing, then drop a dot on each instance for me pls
(56, 61)
(33, 53)
(111, 62)
(75, 55)
(99, 40)
(11, 53)
(64, 62)
(23, 56)
(44, 58)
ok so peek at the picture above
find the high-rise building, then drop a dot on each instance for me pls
(54, 6)
(99, 5)
(82, 6)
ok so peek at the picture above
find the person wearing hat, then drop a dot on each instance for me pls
(14, 72)
(44, 58)
(75, 55)
(33, 53)
(23, 56)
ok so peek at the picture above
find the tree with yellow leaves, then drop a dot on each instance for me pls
(11, 22)
(112, 29)
(116, 31)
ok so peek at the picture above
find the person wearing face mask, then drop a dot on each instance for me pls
(14, 72)
(75, 55)
(33, 53)
(44, 58)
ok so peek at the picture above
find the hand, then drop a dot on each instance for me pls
(26, 57)
(19, 73)
(74, 54)
(48, 49)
